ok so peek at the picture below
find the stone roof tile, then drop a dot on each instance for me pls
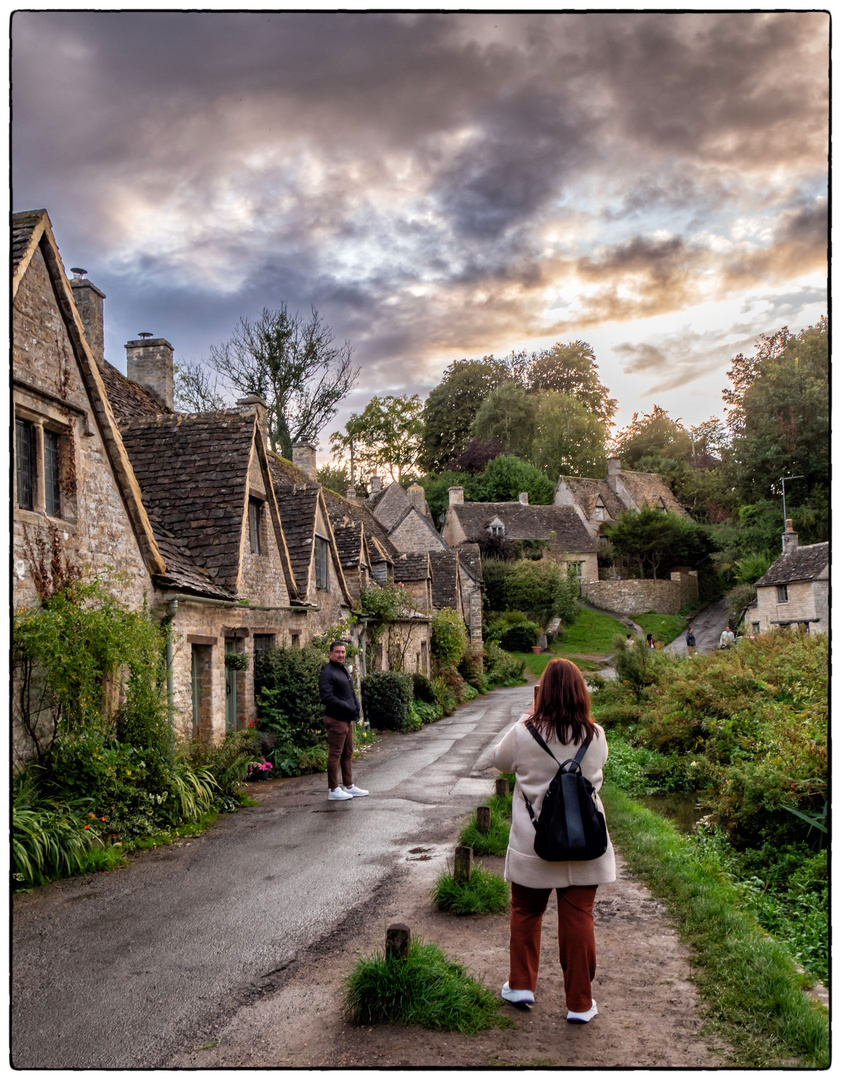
(560, 526)
(802, 564)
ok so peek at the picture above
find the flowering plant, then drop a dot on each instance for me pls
(260, 770)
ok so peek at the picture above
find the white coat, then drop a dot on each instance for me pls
(520, 754)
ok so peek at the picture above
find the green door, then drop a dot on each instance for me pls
(230, 689)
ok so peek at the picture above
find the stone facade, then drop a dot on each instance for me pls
(794, 590)
(636, 596)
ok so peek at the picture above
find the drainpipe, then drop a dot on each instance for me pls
(170, 694)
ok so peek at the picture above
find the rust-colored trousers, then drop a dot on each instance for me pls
(339, 751)
(576, 940)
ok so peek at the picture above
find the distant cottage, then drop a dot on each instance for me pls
(794, 591)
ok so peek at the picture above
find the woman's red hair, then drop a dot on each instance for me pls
(562, 705)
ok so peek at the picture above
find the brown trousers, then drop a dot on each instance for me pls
(576, 940)
(339, 750)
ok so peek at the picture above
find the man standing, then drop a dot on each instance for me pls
(727, 638)
(341, 711)
(690, 641)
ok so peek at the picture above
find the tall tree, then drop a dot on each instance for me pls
(506, 476)
(507, 417)
(653, 433)
(384, 438)
(650, 539)
(291, 362)
(197, 388)
(568, 438)
(570, 368)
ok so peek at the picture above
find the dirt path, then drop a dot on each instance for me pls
(649, 1014)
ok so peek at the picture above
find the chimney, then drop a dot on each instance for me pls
(303, 458)
(790, 539)
(614, 465)
(376, 485)
(524, 498)
(88, 300)
(417, 497)
(255, 402)
(456, 496)
(149, 363)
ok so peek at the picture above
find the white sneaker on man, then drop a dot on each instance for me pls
(338, 794)
(355, 791)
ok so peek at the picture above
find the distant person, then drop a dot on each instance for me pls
(727, 639)
(341, 711)
(650, 641)
(690, 641)
(561, 713)
(629, 641)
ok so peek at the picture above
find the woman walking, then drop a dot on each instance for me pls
(561, 714)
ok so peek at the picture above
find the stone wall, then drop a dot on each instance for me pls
(635, 596)
(807, 600)
(414, 534)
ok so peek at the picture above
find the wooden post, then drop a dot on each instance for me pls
(483, 819)
(463, 867)
(397, 938)
(501, 787)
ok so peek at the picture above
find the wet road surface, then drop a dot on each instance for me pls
(119, 970)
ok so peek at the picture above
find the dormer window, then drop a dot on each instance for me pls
(496, 528)
(598, 513)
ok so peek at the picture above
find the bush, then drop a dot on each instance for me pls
(543, 590)
(521, 637)
(500, 668)
(427, 712)
(386, 699)
(445, 695)
(228, 763)
(50, 838)
(422, 688)
(449, 637)
(286, 682)
(471, 667)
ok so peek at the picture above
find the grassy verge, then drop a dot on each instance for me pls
(484, 894)
(748, 981)
(664, 628)
(425, 989)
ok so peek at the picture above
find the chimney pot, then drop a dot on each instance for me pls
(303, 458)
(791, 541)
(149, 363)
(524, 498)
(456, 496)
(614, 465)
(418, 498)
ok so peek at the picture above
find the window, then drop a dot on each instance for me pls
(262, 643)
(579, 570)
(26, 456)
(782, 594)
(755, 627)
(599, 513)
(255, 512)
(321, 554)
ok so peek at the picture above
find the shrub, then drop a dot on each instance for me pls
(521, 637)
(471, 667)
(499, 623)
(543, 590)
(484, 894)
(227, 762)
(428, 712)
(445, 695)
(422, 688)
(288, 700)
(386, 698)
(50, 838)
(449, 637)
(500, 668)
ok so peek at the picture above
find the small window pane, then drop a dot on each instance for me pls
(25, 463)
(254, 507)
(52, 492)
(782, 594)
(321, 548)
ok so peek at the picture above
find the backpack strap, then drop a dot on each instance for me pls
(538, 738)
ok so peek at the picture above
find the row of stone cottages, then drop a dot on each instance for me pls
(192, 514)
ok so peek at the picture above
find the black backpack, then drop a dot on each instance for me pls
(571, 828)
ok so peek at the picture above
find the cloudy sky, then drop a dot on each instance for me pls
(439, 185)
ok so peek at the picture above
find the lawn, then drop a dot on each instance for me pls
(665, 628)
(591, 634)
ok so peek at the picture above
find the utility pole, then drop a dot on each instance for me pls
(783, 481)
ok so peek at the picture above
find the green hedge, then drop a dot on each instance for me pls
(386, 699)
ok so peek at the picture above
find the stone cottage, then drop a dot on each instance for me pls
(794, 591)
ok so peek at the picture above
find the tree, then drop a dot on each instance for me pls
(653, 433)
(449, 410)
(475, 456)
(568, 438)
(570, 368)
(334, 479)
(507, 476)
(507, 417)
(291, 363)
(384, 438)
(196, 389)
(651, 538)
(544, 590)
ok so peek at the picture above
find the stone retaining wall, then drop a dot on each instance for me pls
(633, 597)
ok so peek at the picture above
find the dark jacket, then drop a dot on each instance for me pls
(335, 687)
(690, 639)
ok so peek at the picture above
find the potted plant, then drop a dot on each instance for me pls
(238, 661)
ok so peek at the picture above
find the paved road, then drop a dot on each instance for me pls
(120, 970)
(708, 626)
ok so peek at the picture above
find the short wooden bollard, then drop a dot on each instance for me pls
(501, 787)
(463, 867)
(397, 938)
(483, 819)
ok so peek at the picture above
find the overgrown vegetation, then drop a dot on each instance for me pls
(425, 989)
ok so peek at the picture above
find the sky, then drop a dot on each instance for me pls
(439, 186)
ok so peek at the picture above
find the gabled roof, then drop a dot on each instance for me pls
(350, 543)
(340, 509)
(412, 566)
(649, 489)
(445, 579)
(802, 564)
(559, 526)
(389, 505)
(588, 492)
(128, 399)
(31, 231)
(470, 559)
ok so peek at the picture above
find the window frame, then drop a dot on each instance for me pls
(782, 594)
(255, 522)
(26, 439)
(321, 559)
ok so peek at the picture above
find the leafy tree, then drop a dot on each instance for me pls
(650, 538)
(570, 368)
(290, 362)
(507, 476)
(507, 417)
(333, 478)
(475, 456)
(653, 433)
(197, 389)
(449, 410)
(384, 438)
(436, 488)
(544, 590)
(568, 438)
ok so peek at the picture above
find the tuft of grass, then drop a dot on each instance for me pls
(425, 989)
(103, 859)
(494, 842)
(484, 894)
(750, 982)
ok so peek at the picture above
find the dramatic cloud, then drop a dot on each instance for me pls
(437, 185)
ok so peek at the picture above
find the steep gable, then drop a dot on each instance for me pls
(639, 490)
(803, 564)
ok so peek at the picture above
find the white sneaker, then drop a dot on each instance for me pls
(582, 1017)
(523, 999)
(355, 791)
(338, 794)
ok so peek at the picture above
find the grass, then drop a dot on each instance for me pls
(484, 894)
(425, 989)
(665, 628)
(494, 842)
(591, 634)
(749, 982)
